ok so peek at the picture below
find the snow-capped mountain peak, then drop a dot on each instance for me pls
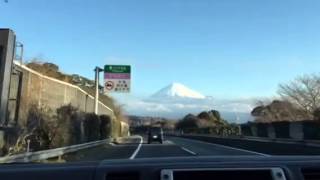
(178, 90)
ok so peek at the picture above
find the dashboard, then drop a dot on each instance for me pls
(193, 168)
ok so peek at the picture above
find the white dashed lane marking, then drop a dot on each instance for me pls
(189, 151)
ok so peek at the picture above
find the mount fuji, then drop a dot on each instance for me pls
(177, 91)
(176, 100)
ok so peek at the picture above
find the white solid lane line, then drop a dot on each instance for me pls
(189, 151)
(244, 150)
(228, 147)
(138, 148)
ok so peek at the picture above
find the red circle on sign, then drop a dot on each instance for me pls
(109, 85)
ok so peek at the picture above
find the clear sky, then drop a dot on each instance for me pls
(222, 48)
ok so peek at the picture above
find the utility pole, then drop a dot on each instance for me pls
(96, 98)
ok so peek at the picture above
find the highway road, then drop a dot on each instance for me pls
(136, 147)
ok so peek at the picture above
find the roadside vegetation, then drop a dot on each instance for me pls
(46, 128)
(67, 126)
(294, 114)
(298, 100)
(206, 122)
(141, 124)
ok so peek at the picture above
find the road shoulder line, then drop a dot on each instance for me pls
(138, 148)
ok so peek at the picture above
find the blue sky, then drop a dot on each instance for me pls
(226, 49)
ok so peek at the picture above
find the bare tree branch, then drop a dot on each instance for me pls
(304, 91)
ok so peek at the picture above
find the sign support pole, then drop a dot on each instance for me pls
(96, 97)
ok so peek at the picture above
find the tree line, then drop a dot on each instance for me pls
(298, 100)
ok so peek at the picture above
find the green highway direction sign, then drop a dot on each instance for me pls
(117, 69)
(117, 78)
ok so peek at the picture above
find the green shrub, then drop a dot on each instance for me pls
(68, 127)
(38, 128)
(216, 114)
(105, 126)
(204, 115)
(92, 127)
(188, 122)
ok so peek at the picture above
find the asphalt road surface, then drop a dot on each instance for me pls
(136, 147)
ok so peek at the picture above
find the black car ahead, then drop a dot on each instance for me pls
(155, 134)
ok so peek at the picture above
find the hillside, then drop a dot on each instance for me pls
(52, 70)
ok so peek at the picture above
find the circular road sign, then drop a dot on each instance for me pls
(109, 85)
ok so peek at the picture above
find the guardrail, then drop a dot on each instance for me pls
(308, 142)
(283, 140)
(315, 143)
(265, 146)
(51, 153)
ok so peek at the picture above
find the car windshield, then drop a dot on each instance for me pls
(155, 130)
(93, 80)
